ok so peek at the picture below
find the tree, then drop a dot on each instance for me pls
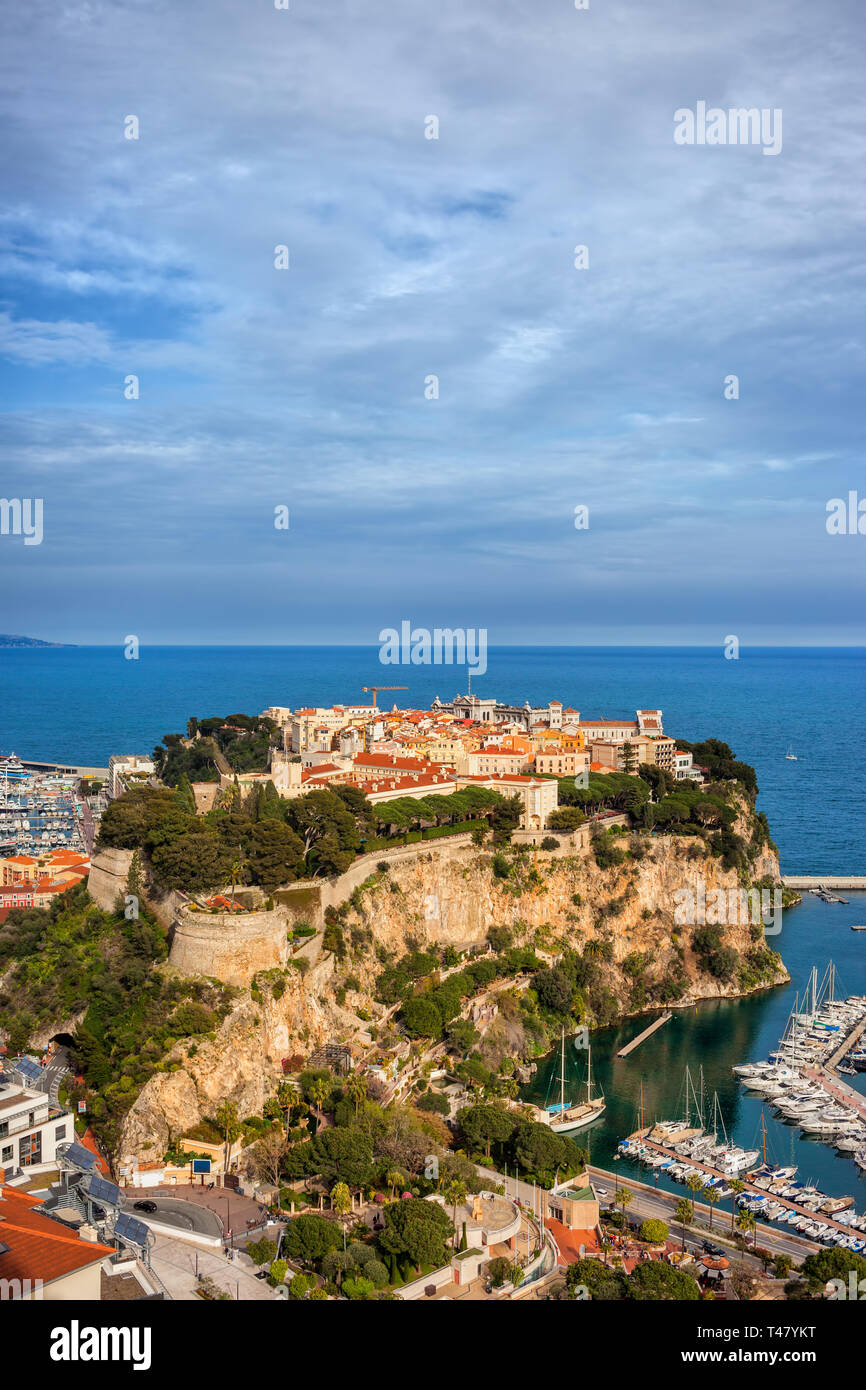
(746, 1223)
(227, 1121)
(498, 1271)
(537, 1149)
(184, 795)
(591, 1278)
(417, 1229)
(782, 1266)
(736, 1187)
(268, 1156)
(341, 1200)
(455, 1194)
(421, 1018)
(343, 1154)
(275, 853)
(655, 1280)
(309, 1238)
(710, 1195)
(485, 1125)
(654, 1232)
(684, 1211)
(192, 862)
(356, 1088)
(624, 1198)
(277, 1273)
(629, 758)
(394, 1179)
(555, 990)
(262, 1252)
(327, 829)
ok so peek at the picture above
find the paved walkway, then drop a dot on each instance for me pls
(177, 1262)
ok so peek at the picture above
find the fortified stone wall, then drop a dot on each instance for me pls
(231, 946)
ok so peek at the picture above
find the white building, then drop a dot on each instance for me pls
(123, 766)
(30, 1128)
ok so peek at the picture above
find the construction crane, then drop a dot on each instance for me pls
(374, 689)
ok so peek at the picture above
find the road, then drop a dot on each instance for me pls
(53, 1073)
(649, 1201)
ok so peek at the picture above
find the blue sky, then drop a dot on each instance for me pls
(410, 257)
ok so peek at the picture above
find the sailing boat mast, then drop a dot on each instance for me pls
(764, 1136)
(562, 1076)
(589, 1071)
(641, 1103)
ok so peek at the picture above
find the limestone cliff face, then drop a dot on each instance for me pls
(241, 1064)
(556, 902)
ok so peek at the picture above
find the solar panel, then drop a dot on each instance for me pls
(30, 1070)
(129, 1229)
(102, 1191)
(79, 1157)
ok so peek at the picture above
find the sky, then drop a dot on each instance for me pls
(410, 258)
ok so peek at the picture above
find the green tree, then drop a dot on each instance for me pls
(418, 1230)
(229, 1126)
(654, 1232)
(483, 1125)
(275, 853)
(684, 1211)
(309, 1238)
(655, 1280)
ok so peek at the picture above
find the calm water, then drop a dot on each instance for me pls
(82, 704)
(716, 1035)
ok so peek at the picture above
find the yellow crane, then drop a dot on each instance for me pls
(374, 690)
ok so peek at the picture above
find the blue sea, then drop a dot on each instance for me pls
(82, 704)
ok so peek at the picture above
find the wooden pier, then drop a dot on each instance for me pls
(636, 1042)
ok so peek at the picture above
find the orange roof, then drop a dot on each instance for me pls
(89, 1142)
(40, 1248)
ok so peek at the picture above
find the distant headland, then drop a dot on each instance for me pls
(7, 640)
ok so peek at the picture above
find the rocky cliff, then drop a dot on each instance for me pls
(626, 914)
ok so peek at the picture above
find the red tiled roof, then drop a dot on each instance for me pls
(40, 1248)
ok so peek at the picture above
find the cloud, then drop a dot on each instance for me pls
(451, 257)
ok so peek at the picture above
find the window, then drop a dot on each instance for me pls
(6, 1154)
(59, 1133)
(30, 1149)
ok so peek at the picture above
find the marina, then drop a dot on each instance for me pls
(717, 1035)
(38, 810)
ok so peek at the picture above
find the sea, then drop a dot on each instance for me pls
(81, 704)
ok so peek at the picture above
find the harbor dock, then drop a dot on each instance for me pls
(847, 881)
(636, 1042)
(748, 1187)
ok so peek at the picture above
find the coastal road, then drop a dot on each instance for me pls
(53, 1073)
(650, 1201)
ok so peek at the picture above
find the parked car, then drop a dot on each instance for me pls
(710, 1249)
(147, 1206)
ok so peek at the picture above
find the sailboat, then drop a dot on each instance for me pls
(565, 1117)
(790, 756)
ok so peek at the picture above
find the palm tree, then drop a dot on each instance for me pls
(684, 1211)
(736, 1187)
(341, 1203)
(623, 1197)
(319, 1091)
(746, 1223)
(455, 1194)
(710, 1196)
(394, 1179)
(356, 1088)
(227, 1119)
